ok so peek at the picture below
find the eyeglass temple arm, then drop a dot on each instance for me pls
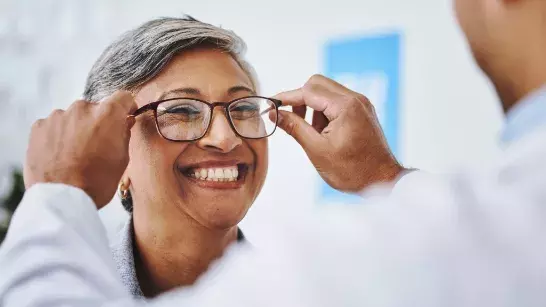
(142, 110)
(277, 102)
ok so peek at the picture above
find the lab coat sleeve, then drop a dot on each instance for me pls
(56, 253)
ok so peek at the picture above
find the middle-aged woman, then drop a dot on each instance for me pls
(198, 150)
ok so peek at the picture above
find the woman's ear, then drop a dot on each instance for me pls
(125, 194)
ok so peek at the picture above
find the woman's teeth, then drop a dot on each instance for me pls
(216, 174)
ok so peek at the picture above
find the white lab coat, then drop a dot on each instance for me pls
(471, 238)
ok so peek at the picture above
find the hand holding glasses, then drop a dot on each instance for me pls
(189, 119)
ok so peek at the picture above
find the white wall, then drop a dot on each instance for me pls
(449, 116)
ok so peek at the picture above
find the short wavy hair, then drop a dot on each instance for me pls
(140, 54)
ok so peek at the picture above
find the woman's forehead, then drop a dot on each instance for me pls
(206, 74)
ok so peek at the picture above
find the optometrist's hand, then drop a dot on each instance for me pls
(345, 142)
(85, 146)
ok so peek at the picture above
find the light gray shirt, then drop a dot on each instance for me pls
(123, 251)
(123, 254)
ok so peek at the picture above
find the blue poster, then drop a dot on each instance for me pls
(369, 65)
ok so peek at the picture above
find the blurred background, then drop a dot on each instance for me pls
(409, 57)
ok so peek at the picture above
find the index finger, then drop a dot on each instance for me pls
(291, 98)
(317, 96)
(318, 93)
(123, 100)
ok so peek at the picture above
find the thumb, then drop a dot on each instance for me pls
(130, 122)
(122, 98)
(301, 131)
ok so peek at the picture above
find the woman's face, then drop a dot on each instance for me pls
(160, 171)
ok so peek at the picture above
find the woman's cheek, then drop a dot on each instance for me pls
(260, 150)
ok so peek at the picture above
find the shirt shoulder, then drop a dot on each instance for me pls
(123, 253)
(527, 116)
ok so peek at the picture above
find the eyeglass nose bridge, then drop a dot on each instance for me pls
(214, 105)
(225, 107)
(218, 104)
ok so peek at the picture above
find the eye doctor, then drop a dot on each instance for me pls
(472, 238)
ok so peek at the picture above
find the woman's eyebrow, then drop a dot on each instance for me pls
(191, 91)
(240, 88)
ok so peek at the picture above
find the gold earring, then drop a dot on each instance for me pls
(123, 191)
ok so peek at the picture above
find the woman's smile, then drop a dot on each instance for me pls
(216, 174)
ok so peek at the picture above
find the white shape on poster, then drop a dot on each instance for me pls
(373, 85)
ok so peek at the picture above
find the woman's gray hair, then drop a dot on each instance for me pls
(140, 54)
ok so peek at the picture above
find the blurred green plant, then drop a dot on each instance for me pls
(12, 199)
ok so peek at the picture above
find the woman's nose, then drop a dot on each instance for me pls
(220, 137)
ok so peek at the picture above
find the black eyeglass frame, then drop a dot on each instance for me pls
(212, 105)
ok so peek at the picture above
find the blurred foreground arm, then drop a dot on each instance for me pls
(467, 239)
(56, 253)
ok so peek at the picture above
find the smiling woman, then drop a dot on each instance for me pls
(198, 150)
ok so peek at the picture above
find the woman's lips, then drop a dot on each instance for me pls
(225, 176)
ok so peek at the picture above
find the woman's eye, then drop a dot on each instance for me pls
(183, 110)
(246, 107)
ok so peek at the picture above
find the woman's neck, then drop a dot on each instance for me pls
(168, 257)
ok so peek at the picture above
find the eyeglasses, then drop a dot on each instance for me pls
(189, 119)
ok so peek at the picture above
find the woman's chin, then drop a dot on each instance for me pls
(219, 216)
(222, 221)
